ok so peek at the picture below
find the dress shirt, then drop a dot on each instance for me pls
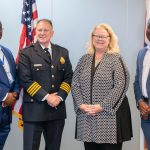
(49, 49)
(145, 72)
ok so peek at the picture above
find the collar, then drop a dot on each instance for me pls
(49, 46)
(148, 46)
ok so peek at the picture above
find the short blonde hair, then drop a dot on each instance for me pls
(113, 46)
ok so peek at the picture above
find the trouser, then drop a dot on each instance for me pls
(95, 146)
(145, 124)
(52, 132)
(4, 131)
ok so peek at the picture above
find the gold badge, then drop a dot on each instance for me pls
(62, 60)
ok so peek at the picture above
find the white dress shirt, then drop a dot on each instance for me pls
(145, 72)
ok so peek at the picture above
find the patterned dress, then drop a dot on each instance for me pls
(107, 88)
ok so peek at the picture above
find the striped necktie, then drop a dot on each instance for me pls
(48, 53)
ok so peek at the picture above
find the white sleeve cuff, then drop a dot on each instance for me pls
(61, 98)
(5, 97)
(45, 97)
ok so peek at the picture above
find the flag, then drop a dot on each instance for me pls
(143, 144)
(27, 36)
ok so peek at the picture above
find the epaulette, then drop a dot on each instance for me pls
(31, 45)
(60, 47)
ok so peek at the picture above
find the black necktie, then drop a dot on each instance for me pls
(47, 52)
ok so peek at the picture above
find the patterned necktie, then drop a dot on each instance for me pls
(48, 53)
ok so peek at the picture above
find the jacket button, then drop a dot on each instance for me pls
(32, 100)
(52, 66)
(52, 76)
(53, 85)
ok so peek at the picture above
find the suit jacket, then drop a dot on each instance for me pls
(138, 76)
(5, 86)
(39, 76)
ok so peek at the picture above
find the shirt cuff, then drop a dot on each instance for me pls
(61, 98)
(45, 97)
(5, 97)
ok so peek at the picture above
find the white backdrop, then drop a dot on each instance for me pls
(73, 20)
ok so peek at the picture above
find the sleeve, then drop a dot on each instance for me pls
(65, 85)
(33, 88)
(136, 84)
(116, 95)
(75, 87)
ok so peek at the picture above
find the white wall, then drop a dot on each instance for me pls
(73, 20)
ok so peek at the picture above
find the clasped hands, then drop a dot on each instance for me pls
(10, 99)
(53, 100)
(91, 109)
(144, 109)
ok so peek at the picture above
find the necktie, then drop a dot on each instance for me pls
(48, 53)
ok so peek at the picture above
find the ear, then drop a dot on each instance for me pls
(52, 33)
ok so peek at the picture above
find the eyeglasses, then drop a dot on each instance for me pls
(100, 37)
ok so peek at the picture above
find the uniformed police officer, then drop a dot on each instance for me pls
(45, 73)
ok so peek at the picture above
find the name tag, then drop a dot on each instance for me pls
(37, 65)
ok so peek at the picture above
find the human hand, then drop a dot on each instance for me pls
(94, 109)
(144, 108)
(10, 99)
(91, 109)
(84, 107)
(53, 100)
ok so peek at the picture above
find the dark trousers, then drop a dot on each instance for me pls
(4, 131)
(145, 124)
(52, 132)
(95, 146)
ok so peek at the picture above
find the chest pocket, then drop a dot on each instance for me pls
(61, 67)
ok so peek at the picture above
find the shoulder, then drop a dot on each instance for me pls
(113, 57)
(86, 57)
(6, 49)
(27, 49)
(59, 48)
(142, 51)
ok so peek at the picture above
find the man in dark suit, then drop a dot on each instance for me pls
(45, 72)
(8, 90)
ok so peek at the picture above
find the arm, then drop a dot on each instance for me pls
(116, 95)
(75, 87)
(65, 85)
(33, 88)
